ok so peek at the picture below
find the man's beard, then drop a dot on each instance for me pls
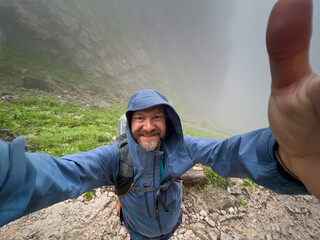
(150, 146)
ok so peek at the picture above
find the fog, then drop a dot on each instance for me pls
(211, 53)
(242, 104)
(215, 52)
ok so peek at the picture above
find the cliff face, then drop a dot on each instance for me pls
(138, 44)
(66, 31)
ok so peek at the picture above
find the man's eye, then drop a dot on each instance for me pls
(158, 116)
(138, 118)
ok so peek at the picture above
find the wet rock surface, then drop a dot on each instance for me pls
(208, 213)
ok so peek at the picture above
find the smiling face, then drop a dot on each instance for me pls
(148, 126)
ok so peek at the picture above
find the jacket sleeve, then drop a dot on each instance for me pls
(249, 155)
(31, 181)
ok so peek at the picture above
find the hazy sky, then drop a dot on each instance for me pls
(243, 103)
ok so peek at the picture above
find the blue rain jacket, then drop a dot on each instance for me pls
(31, 181)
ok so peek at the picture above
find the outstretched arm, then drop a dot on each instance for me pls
(294, 105)
(31, 181)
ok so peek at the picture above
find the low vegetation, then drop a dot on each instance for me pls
(214, 179)
(249, 184)
(60, 128)
(203, 133)
(242, 201)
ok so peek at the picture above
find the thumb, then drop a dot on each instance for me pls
(288, 37)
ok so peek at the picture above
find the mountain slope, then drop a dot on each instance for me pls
(116, 46)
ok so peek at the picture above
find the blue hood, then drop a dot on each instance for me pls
(177, 160)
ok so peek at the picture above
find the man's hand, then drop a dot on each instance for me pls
(294, 105)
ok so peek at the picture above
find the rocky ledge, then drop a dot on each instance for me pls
(208, 213)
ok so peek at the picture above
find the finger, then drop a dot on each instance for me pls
(288, 37)
(315, 96)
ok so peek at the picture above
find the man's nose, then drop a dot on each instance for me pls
(148, 125)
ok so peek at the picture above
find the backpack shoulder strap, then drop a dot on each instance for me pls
(125, 176)
(126, 167)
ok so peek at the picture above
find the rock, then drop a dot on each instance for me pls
(231, 210)
(199, 230)
(211, 223)
(195, 168)
(203, 213)
(111, 194)
(213, 236)
(268, 237)
(98, 194)
(80, 198)
(214, 216)
(194, 176)
(225, 236)
(98, 219)
(8, 136)
(181, 231)
(188, 234)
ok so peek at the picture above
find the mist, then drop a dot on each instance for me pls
(243, 102)
(214, 52)
(207, 55)
(242, 106)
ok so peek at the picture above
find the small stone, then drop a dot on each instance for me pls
(181, 231)
(268, 237)
(231, 210)
(213, 236)
(243, 209)
(188, 234)
(211, 223)
(183, 207)
(122, 231)
(214, 216)
(203, 213)
(222, 219)
(80, 198)
(225, 236)
(197, 168)
(98, 194)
